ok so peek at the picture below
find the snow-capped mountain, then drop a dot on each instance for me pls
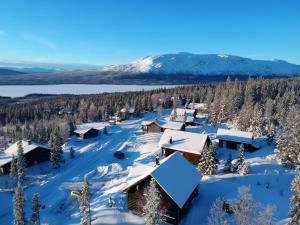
(210, 64)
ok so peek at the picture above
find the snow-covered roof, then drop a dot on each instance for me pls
(165, 124)
(179, 187)
(6, 156)
(85, 128)
(183, 141)
(197, 105)
(235, 135)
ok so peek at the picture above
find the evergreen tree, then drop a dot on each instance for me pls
(13, 168)
(243, 169)
(241, 158)
(293, 130)
(208, 161)
(281, 149)
(85, 204)
(72, 153)
(18, 205)
(294, 212)
(36, 207)
(217, 213)
(21, 164)
(152, 207)
(257, 121)
(56, 153)
(228, 164)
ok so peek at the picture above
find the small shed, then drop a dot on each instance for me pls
(86, 132)
(157, 126)
(177, 191)
(234, 138)
(34, 153)
(190, 145)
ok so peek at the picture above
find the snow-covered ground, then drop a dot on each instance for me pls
(269, 182)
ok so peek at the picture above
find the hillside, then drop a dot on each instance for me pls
(181, 68)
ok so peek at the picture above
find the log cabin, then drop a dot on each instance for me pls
(190, 145)
(34, 153)
(88, 131)
(177, 192)
(234, 138)
(157, 126)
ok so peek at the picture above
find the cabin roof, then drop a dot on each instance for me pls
(197, 105)
(179, 187)
(165, 124)
(183, 141)
(235, 136)
(85, 128)
(6, 156)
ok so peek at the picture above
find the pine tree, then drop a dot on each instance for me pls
(243, 169)
(257, 121)
(208, 161)
(72, 153)
(241, 158)
(228, 164)
(21, 164)
(36, 207)
(13, 168)
(281, 149)
(294, 212)
(152, 207)
(18, 205)
(56, 153)
(85, 204)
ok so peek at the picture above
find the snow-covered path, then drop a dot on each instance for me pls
(55, 189)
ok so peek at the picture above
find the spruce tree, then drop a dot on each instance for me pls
(241, 158)
(56, 153)
(294, 212)
(208, 161)
(36, 208)
(293, 130)
(281, 149)
(21, 163)
(85, 204)
(228, 164)
(18, 205)
(13, 168)
(72, 153)
(152, 207)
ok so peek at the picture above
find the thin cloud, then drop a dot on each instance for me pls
(38, 40)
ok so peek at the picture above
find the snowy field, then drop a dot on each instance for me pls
(76, 89)
(269, 182)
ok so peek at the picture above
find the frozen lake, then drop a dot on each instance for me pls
(21, 90)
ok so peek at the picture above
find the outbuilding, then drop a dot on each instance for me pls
(177, 191)
(234, 138)
(157, 126)
(34, 153)
(189, 144)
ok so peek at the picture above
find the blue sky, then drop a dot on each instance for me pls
(110, 31)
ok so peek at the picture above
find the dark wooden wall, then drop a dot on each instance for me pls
(192, 158)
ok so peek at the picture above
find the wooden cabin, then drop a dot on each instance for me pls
(85, 133)
(190, 145)
(34, 153)
(234, 138)
(177, 192)
(158, 126)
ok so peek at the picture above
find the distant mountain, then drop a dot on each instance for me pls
(42, 67)
(5, 71)
(181, 68)
(211, 64)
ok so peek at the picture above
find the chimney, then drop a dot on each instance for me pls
(29, 142)
(171, 140)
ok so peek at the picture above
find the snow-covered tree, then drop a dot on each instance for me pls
(208, 162)
(241, 157)
(217, 214)
(281, 149)
(21, 163)
(152, 207)
(294, 212)
(257, 122)
(247, 211)
(36, 207)
(228, 164)
(243, 169)
(55, 143)
(85, 204)
(18, 205)
(13, 168)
